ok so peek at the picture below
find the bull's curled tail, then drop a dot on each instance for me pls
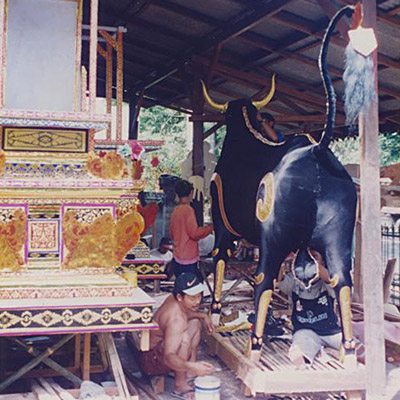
(329, 90)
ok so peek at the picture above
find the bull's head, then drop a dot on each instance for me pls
(241, 115)
(257, 104)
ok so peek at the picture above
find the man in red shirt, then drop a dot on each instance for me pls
(185, 232)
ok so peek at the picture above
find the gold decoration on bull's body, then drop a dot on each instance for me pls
(220, 270)
(2, 161)
(101, 243)
(345, 311)
(12, 240)
(258, 135)
(265, 204)
(262, 103)
(334, 281)
(107, 165)
(219, 107)
(259, 278)
(309, 137)
(263, 305)
(218, 183)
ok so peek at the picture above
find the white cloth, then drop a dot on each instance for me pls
(167, 257)
(206, 245)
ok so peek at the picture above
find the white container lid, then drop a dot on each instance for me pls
(207, 382)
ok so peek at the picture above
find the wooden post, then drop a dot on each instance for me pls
(135, 104)
(145, 340)
(371, 234)
(77, 358)
(198, 135)
(3, 57)
(94, 8)
(358, 279)
(120, 83)
(86, 357)
(109, 81)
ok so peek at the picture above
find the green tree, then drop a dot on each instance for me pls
(348, 150)
(160, 123)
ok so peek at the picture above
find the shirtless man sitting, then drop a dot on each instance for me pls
(173, 347)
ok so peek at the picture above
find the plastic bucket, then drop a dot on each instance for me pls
(207, 387)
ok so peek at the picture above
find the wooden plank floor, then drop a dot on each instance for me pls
(274, 373)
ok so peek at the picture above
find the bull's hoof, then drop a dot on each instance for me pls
(215, 312)
(348, 355)
(253, 349)
(215, 317)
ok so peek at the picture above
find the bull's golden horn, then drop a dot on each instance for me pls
(220, 107)
(262, 103)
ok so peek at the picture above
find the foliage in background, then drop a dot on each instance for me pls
(159, 123)
(348, 150)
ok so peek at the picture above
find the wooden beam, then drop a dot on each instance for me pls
(256, 80)
(213, 64)
(109, 39)
(371, 235)
(394, 11)
(101, 51)
(231, 29)
(213, 129)
(382, 59)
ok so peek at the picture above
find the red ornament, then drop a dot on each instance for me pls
(155, 161)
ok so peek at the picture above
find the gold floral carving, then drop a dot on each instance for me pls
(128, 230)
(102, 243)
(107, 165)
(12, 240)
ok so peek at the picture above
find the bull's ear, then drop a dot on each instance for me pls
(262, 103)
(220, 107)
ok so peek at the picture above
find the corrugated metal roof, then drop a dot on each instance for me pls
(257, 37)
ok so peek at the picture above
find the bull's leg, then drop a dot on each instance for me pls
(222, 248)
(221, 254)
(267, 272)
(338, 262)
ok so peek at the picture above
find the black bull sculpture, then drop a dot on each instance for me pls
(283, 197)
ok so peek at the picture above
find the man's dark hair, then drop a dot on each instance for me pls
(165, 241)
(183, 188)
(175, 294)
(268, 117)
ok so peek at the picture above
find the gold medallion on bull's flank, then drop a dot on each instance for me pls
(265, 204)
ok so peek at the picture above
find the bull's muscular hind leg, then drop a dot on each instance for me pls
(256, 341)
(348, 351)
(338, 262)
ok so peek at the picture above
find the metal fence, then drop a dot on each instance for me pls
(391, 249)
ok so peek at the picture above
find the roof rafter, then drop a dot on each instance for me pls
(231, 29)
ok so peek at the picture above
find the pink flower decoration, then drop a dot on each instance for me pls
(102, 153)
(155, 161)
(136, 149)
